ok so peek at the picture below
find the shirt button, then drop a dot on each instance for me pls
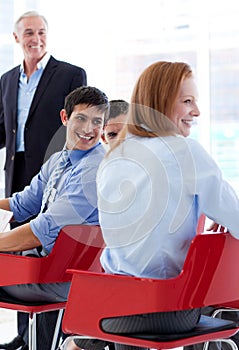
(12, 157)
(14, 131)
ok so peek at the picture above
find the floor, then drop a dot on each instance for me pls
(8, 325)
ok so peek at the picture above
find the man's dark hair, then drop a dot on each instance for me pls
(91, 96)
(117, 107)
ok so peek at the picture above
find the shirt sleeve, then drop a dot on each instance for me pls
(216, 197)
(75, 204)
(27, 203)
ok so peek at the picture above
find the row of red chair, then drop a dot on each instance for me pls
(78, 247)
(209, 277)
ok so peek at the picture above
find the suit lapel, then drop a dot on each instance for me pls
(42, 86)
(13, 93)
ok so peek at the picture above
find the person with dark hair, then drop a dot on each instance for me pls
(31, 97)
(115, 121)
(62, 193)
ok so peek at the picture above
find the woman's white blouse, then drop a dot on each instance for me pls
(151, 192)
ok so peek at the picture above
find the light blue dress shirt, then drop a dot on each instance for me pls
(74, 202)
(26, 90)
(151, 192)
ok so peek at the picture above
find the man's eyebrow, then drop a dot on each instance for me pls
(42, 29)
(80, 114)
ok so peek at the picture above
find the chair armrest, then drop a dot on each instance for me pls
(17, 269)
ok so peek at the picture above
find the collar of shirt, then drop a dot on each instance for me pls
(77, 154)
(41, 64)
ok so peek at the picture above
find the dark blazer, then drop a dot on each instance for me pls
(58, 79)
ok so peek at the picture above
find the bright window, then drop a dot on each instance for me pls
(114, 41)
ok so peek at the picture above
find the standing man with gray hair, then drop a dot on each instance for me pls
(31, 97)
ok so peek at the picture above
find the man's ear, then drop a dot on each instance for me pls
(64, 118)
(15, 37)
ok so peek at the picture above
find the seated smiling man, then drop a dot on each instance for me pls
(59, 196)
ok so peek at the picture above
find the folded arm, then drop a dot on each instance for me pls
(19, 239)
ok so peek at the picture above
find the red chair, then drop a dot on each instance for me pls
(78, 246)
(209, 277)
(201, 224)
(223, 308)
(227, 307)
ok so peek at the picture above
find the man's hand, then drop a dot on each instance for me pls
(217, 228)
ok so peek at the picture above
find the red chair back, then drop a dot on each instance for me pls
(201, 224)
(77, 246)
(209, 277)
